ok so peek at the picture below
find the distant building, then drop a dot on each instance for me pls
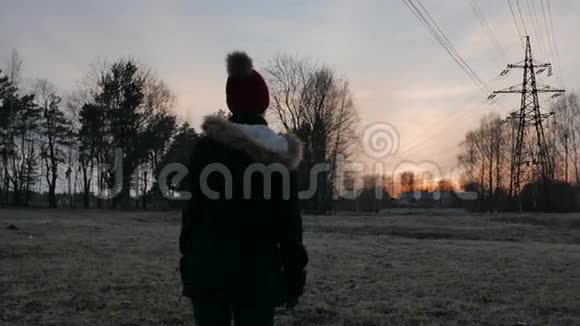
(443, 199)
(407, 199)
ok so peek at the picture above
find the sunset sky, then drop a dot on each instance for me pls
(398, 73)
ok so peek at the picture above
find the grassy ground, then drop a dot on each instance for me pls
(69, 267)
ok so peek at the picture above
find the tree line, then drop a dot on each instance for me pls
(64, 145)
(70, 145)
(486, 157)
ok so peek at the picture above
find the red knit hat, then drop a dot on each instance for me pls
(246, 90)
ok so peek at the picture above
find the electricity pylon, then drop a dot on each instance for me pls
(529, 153)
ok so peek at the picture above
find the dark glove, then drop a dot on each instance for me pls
(296, 282)
(296, 285)
(185, 277)
(291, 302)
(290, 289)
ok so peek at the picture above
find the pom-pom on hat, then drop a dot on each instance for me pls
(246, 90)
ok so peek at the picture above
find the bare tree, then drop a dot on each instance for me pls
(574, 104)
(88, 120)
(408, 182)
(485, 158)
(312, 102)
(55, 132)
(467, 157)
(7, 96)
(10, 105)
(564, 131)
(14, 68)
(21, 136)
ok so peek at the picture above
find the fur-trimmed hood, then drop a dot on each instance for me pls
(257, 141)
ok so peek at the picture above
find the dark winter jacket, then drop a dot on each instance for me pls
(235, 242)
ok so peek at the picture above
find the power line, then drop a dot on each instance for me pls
(522, 17)
(548, 34)
(534, 22)
(429, 23)
(432, 26)
(516, 23)
(551, 44)
(549, 38)
(487, 28)
(554, 39)
(486, 88)
(417, 144)
(437, 127)
(427, 20)
(423, 20)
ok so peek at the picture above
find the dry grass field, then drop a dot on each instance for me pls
(77, 267)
